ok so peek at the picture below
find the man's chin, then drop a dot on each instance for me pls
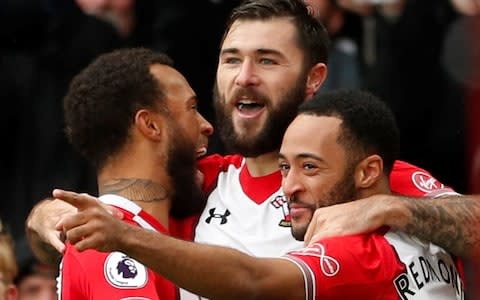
(299, 233)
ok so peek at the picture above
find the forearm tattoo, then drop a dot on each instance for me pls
(452, 223)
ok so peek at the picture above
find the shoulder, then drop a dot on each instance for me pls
(409, 180)
(211, 166)
(217, 161)
(347, 271)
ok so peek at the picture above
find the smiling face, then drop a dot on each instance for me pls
(182, 104)
(315, 169)
(188, 134)
(260, 83)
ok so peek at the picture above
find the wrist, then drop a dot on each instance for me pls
(397, 215)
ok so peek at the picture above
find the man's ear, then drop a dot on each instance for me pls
(11, 292)
(368, 171)
(316, 76)
(150, 124)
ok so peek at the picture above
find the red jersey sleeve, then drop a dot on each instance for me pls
(409, 180)
(362, 270)
(94, 275)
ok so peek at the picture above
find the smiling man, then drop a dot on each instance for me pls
(355, 145)
(135, 119)
(273, 58)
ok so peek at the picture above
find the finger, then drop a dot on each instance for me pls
(308, 234)
(80, 201)
(79, 233)
(315, 237)
(53, 238)
(116, 213)
(85, 244)
(71, 221)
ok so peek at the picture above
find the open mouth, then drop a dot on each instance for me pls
(201, 151)
(249, 108)
(249, 105)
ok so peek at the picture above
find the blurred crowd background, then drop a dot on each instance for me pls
(420, 56)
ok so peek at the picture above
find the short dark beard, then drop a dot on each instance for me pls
(343, 191)
(188, 198)
(270, 137)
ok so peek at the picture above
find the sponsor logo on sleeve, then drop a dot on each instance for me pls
(426, 182)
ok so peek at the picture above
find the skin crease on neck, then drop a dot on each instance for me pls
(139, 170)
(266, 64)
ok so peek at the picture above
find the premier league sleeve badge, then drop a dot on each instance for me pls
(124, 272)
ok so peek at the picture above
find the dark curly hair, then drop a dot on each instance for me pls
(102, 100)
(312, 37)
(368, 125)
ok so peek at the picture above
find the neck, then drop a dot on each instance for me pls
(262, 165)
(381, 187)
(150, 196)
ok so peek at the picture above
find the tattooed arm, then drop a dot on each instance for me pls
(452, 222)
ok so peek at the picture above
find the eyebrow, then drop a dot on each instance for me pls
(257, 51)
(304, 155)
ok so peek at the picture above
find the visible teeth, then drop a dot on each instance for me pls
(201, 151)
(247, 102)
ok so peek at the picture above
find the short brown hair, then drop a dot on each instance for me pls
(8, 265)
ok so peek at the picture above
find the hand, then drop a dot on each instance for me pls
(95, 226)
(43, 218)
(359, 216)
(467, 7)
(119, 13)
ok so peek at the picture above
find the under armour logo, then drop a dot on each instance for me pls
(217, 216)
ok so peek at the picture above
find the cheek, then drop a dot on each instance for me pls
(318, 190)
(225, 79)
(194, 133)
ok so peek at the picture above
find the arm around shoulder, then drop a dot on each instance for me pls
(46, 242)
(451, 221)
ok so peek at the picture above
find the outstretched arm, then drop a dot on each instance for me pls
(210, 271)
(452, 222)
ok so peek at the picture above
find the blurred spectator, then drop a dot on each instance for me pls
(401, 51)
(461, 58)
(36, 281)
(42, 45)
(344, 29)
(467, 7)
(8, 267)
